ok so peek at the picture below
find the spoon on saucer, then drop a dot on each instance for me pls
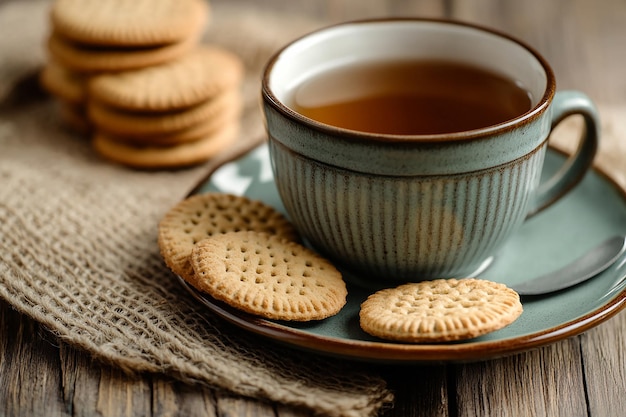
(587, 266)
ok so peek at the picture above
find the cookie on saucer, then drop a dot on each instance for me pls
(441, 310)
(204, 215)
(268, 276)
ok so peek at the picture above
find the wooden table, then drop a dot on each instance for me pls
(580, 376)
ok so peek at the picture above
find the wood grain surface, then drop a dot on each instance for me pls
(581, 376)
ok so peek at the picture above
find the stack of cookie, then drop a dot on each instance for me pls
(90, 37)
(134, 74)
(94, 36)
(169, 115)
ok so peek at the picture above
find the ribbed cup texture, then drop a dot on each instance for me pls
(405, 228)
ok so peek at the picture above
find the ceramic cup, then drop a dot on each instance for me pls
(391, 208)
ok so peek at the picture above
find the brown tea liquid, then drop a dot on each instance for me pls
(410, 98)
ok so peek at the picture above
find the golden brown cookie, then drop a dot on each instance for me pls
(87, 59)
(63, 83)
(439, 310)
(129, 22)
(173, 156)
(268, 276)
(204, 73)
(137, 124)
(195, 132)
(205, 215)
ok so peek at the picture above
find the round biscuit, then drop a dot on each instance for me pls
(85, 59)
(230, 114)
(172, 156)
(439, 310)
(125, 123)
(198, 76)
(204, 215)
(268, 276)
(129, 22)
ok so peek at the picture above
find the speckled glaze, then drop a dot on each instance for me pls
(408, 208)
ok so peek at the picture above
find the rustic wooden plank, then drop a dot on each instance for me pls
(229, 405)
(312, 9)
(544, 382)
(425, 8)
(584, 45)
(79, 381)
(581, 39)
(173, 399)
(420, 391)
(98, 389)
(29, 366)
(604, 361)
(44, 377)
(93, 388)
(282, 411)
(117, 395)
(341, 10)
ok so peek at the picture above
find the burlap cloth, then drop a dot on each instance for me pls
(78, 248)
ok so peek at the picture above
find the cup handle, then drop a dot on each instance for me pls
(564, 104)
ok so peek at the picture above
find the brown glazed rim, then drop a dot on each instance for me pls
(395, 352)
(530, 115)
(390, 352)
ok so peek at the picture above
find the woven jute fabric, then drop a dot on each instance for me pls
(78, 239)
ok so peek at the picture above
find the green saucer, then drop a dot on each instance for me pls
(592, 212)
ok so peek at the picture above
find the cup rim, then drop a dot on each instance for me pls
(485, 132)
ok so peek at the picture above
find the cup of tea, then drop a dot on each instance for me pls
(412, 149)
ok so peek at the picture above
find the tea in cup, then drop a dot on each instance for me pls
(412, 149)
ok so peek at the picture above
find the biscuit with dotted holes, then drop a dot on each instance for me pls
(440, 310)
(268, 276)
(204, 215)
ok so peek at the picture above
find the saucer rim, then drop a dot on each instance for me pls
(393, 352)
